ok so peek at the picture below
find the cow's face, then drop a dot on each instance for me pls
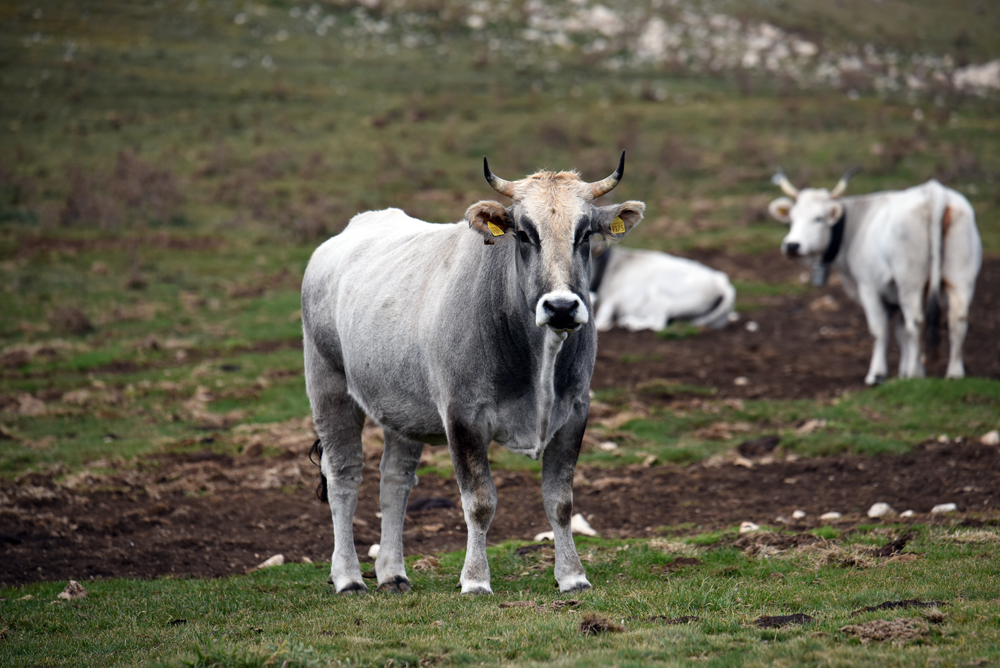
(811, 215)
(550, 223)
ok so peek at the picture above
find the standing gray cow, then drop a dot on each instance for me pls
(894, 251)
(458, 334)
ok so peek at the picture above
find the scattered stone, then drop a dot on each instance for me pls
(276, 560)
(880, 510)
(798, 515)
(741, 381)
(907, 513)
(649, 461)
(832, 515)
(306, 560)
(990, 438)
(594, 624)
(608, 446)
(373, 551)
(943, 508)
(743, 461)
(898, 631)
(781, 620)
(752, 326)
(748, 527)
(73, 590)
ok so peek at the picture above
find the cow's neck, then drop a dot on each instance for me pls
(821, 270)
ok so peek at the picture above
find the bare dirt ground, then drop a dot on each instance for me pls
(211, 515)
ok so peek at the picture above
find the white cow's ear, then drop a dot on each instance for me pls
(490, 219)
(780, 210)
(836, 210)
(615, 221)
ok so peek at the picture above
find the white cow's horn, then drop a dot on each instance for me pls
(498, 184)
(604, 186)
(841, 186)
(779, 179)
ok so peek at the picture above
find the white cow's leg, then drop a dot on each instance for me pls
(469, 454)
(904, 346)
(959, 300)
(399, 465)
(605, 316)
(878, 326)
(558, 465)
(338, 423)
(912, 308)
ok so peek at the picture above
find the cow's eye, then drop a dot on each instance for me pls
(522, 236)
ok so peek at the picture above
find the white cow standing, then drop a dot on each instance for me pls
(894, 251)
(644, 289)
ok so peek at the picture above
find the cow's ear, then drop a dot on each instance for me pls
(615, 221)
(836, 211)
(490, 219)
(780, 209)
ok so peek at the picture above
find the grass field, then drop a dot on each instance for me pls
(167, 168)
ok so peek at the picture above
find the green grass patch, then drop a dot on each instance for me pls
(287, 615)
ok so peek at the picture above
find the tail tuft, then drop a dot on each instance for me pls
(933, 327)
(317, 449)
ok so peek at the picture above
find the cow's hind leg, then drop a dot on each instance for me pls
(558, 465)
(338, 421)
(959, 300)
(912, 315)
(399, 466)
(469, 454)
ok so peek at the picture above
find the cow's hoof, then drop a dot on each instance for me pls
(575, 585)
(353, 588)
(476, 589)
(397, 585)
(875, 380)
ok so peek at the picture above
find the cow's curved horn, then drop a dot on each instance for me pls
(779, 179)
(841, 186)
(604, 186)
(498, 184)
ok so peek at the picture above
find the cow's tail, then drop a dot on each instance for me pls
(718, 316)
(939, 207)
(317, 449)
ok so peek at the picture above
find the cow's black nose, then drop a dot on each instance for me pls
(561, 313)
(791, 249)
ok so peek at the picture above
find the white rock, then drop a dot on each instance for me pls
(276, 560)
(373, 551)
(741, 381)
(832, 515)
(73, 590)
(579, 524)
(990, 438)
(545, 535)
(306, 560)
(798, 515)
(880, 510)
(608, 446)
(907, 513)
(752, 326)
(748, 527)
(944, 508)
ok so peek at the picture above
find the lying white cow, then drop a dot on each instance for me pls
(894, 251)
(643, 289)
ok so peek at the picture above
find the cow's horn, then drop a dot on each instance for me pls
(605, 186)
(779, 179)
(841, 186)
(498, 184)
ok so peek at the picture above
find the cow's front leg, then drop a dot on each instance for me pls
(470, 456)
(878, 325)
(558, 465)
(398, 467)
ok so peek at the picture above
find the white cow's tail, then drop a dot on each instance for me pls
(939, 205)
(718, 316)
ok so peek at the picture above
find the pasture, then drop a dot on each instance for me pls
(167, 168)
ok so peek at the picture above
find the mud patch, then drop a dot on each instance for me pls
(896, 631)
(781, 620)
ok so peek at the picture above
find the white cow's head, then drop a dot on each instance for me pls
(551, 221)
(811, 212)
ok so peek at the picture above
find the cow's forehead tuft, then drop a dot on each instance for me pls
(556, 198)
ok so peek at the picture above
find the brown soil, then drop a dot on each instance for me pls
(211, 515)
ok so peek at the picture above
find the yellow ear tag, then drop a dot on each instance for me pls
(618, 226)
(495, 229)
